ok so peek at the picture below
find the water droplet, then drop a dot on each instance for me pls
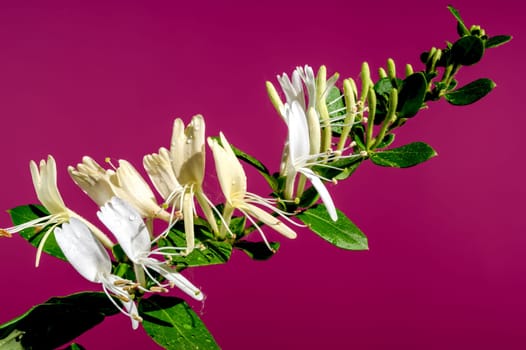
(132, 218)
(188, 141)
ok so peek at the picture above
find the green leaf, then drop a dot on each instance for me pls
(207, 251)
(257, 250)
(387, 141)
(336, 107)
(341, 233)
(467, 50)
(25, 213)
(262, 169)
(411, 95)
(497, 40)
(403, 157)
(471, 92)
(461, 27)
(340, 168)
(171, 323)
(56, 322)
(74, 346)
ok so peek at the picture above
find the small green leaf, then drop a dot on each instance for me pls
(171, 323)
(337, 168)
(262, 169)
(387, 141)
(411, 95)
(497, 40)
(257, 250)
(57, 321)
(461, 27)
(206, 252)
(470, 93)
(341, 233)
(467, 50)
(25, 213)
(403, 157)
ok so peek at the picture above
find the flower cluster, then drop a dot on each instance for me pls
(128, 206)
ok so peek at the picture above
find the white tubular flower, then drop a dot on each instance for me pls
(178, 174)
(233, 182)
(129, 185)
(300, 159)
(160, 170)
(131, 232)
(45, 182)
(91, 260)
(93, 180)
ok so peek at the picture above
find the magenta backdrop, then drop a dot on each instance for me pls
(446, 267)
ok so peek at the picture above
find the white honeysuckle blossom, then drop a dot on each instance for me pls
(233, 182)
(93, 179)
(44, 178)
(91, 260)
(129, 185)
(125, 182)
(299, 158)
(178, 174)
(127, 226)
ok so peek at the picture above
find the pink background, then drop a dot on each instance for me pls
(446, 267)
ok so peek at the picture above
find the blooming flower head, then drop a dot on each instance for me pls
(299, 158)
(132, 234)
(91, 260)
(233, 182)
(178, 174)
(45, 183)
(125, 182)
(93, 180)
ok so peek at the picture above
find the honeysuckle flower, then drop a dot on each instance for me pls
(91, 260)
(178, 174)
(299, 157)
(233, 182)
(44, 178)
(124, 181)
(125, 222)
(93, 179)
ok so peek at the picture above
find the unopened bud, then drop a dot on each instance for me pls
(274, 97)
(382, 73)
(391, 68)
(408, 70)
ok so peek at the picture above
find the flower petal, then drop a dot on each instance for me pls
(93, 180)
(270, 220)
(188, 150)
(159, 168)
(322, 191)
(175, 278)
(127, 226)
(83, 250)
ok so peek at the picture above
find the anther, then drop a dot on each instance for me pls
(4, 233)
(157, 289)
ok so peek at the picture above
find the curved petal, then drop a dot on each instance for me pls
(83, 250)
(187, 149)
(298, 138)
(45, 182)
(270, 220)
(130, 185)
(159, 169)
(230, 173)
(322, 191)
(127, 226)
(175, 278)
(93, 180)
